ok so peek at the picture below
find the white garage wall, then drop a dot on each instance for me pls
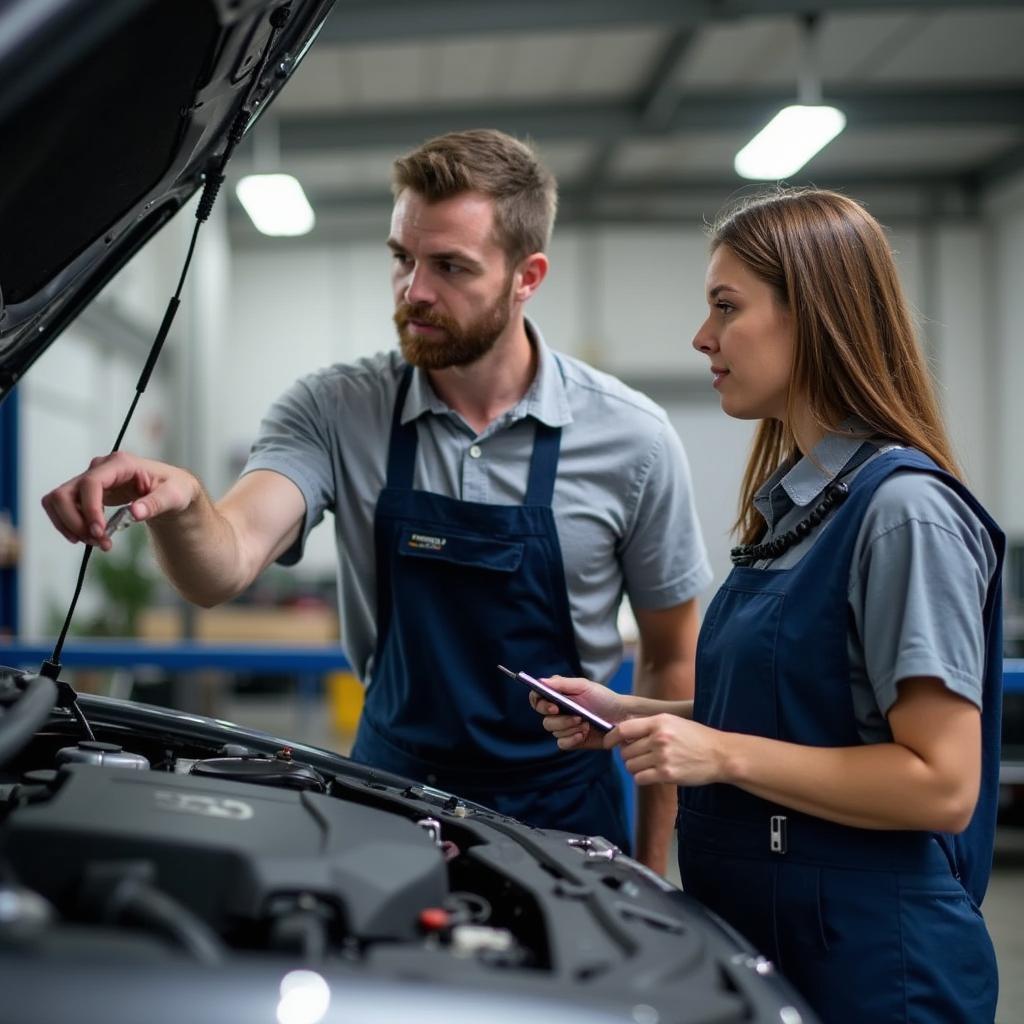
(1003, 363)
(71, 406)
(74, 400)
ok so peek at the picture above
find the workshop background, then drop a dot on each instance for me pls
(639, 109)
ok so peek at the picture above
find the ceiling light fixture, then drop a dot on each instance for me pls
(276, 204)
(796, 132)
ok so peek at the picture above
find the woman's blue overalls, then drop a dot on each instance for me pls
(461, 587)
(870, 925)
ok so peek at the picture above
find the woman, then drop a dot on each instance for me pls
(839, 766)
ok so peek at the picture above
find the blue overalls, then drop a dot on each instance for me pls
(461, 587)
(870, 925)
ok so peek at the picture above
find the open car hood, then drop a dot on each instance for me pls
(111, 115)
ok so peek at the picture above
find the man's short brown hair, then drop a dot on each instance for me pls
(494, 164)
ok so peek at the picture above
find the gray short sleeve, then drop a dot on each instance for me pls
(659, 574)
(918, 581)
(623, 504)
(292, 441)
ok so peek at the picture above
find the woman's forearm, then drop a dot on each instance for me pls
(880, 785)
(927, 778)
(642, 707)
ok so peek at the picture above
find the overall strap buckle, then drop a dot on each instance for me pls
(777, 834)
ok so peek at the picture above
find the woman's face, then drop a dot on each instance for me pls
(749, 339)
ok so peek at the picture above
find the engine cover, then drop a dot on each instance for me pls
(225, 848)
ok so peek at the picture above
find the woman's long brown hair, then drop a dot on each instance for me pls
(856, 353)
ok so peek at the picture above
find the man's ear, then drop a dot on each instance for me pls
(531, 271)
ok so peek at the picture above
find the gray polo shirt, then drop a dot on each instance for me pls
(623, 501)
(920, 571)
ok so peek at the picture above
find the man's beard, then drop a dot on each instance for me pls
(459, 346)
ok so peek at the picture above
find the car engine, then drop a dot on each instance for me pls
(171, 840)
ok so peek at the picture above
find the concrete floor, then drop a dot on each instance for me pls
(306, 721)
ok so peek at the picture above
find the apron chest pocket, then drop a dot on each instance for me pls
(477, 552)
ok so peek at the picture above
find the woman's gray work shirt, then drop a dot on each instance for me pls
(623, 501)
(920, 571)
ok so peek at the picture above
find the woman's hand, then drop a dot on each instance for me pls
(571, 731)
(667, 748)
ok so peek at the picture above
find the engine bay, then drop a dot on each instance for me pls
(233, 854)
(171, 839)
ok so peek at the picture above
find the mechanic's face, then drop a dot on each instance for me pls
(452, 284)
(749, 339)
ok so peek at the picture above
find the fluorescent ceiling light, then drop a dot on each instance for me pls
(788, 141)
(276, 204)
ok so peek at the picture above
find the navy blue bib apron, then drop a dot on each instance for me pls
(461, 587)
(870, 925)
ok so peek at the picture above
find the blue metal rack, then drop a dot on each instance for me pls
(185, 656)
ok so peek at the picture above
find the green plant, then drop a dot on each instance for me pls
(127, 587)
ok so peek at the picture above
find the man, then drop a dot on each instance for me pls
(492, 501)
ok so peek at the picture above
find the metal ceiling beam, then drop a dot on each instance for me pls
(1003, 168)
(609, 121)
(662, 201)
(649, 187)
(668, 186)
(892, 214)
(659, 94)
(362, 21)
(655, 103)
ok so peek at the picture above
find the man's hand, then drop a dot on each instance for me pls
(571, 731)
(76, 508)
(210, 553)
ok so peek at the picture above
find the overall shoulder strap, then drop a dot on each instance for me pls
(540, 488)
(403, 440)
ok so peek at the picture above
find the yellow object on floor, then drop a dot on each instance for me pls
(345, 698)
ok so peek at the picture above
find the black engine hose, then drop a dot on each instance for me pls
(20, 722)
(135, 902)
